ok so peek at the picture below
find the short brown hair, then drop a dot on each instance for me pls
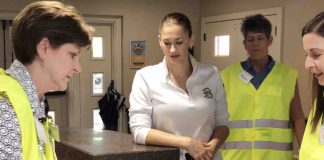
(257, 24)
(58, 22)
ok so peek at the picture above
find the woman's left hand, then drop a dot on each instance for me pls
(211, 145)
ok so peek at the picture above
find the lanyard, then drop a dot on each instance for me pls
(40, 131)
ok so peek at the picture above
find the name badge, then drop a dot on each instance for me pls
(245, 76)
(321, 133)
(54, 130)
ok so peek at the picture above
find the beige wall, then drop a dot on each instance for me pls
(295, 14)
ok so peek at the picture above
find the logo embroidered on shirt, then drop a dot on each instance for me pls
(207, 93)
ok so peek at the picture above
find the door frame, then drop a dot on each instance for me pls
(241, 15)
(7, 15)
(74, 87)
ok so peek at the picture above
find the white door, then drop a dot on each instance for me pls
(230, 25)
(100, 64)
(96, 72)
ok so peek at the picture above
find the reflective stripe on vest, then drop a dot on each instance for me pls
(258, 145)
(260, 123)
(272, 123)
(273, 145)
(241, 124)
(237, 145)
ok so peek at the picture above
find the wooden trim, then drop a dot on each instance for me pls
(7, 15)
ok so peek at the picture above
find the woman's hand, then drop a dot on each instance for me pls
(199, 150)
(212, 147)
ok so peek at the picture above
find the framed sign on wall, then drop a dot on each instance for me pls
(137, 53)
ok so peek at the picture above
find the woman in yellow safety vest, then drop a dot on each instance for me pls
(47, 37)
(312, 147)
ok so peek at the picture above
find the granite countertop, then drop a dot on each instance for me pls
(84, 144)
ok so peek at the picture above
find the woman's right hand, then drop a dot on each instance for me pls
(199, 150)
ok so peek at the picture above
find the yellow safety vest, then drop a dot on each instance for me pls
(10, 88)
(311, 149)
(259, 118)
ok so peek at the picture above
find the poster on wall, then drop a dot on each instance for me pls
(137, 54)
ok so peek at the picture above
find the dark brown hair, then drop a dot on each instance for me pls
(257, 24)
(316, 25)
(56, 21)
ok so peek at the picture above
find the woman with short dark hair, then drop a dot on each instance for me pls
(47, 38)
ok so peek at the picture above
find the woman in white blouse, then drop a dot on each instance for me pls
(179, 102)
